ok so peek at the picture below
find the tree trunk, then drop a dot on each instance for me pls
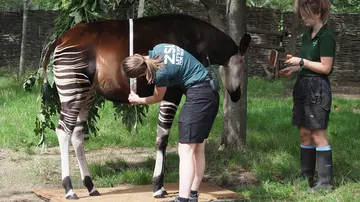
(141, 8)
(23, 40)
(234, 122)
(215, 15)
(294, 31)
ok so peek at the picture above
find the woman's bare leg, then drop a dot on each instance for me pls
(186, 168)
(199, 162)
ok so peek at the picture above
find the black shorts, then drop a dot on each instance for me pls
(198, 113)
(312, 102)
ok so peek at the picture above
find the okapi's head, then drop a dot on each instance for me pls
(232, 73)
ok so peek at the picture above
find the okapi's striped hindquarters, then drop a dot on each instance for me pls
(87, 60)
(73, 78)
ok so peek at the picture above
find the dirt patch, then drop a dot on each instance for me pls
(16, 179)
(21, 173)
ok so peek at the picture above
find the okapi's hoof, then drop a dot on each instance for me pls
(159, 196)
(160, 193)
(72, 197)
(95, 193)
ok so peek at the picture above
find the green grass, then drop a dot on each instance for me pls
(18, 110)
(271, 156)
(116, 172)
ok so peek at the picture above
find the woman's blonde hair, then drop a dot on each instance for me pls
(136, 65)
(309, 8)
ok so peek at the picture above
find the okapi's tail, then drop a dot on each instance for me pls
(46, 62)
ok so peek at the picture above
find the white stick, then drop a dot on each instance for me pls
(131, 52)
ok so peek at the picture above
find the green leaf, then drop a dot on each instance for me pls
(83, 3)
(42, 140)
(52, 126)
(29, 82)
(50, 78)
(96, 14)
(75, 8)
(78, 19)
(41, 117)
(93, 7)
(74, 14)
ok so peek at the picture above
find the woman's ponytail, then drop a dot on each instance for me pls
(136, 65)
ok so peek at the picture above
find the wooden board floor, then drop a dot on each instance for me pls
(208, 192)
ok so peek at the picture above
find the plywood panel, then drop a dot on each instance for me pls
(208, 192)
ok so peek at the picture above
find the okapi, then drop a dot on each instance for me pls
(87, 60)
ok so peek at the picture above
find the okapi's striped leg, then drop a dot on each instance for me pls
(64, 141)
(77, 140)
(68, 116)
(166, 117)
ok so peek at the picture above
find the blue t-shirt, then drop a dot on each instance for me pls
(180, 67)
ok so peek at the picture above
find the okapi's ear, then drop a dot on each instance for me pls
(244, 44)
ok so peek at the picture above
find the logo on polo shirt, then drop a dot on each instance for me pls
(314, 43)
(173, 55)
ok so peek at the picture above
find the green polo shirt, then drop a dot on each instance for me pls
(322, 45)
(181, 68)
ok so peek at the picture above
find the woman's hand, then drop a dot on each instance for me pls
(289, 70)
(293, 61)
(159, 93)
(133, 98)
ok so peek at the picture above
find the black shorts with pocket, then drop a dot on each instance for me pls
(198, 113)
(312, 102)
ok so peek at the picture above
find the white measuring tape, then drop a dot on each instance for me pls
(131, 52)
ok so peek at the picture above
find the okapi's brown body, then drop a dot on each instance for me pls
(110, 42)
(88, 57)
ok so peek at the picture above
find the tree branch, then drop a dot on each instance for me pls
(266, 2)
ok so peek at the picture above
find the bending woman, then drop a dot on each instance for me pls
(168, 65)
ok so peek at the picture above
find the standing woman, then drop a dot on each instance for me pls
(312, 93)
(168, 65)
